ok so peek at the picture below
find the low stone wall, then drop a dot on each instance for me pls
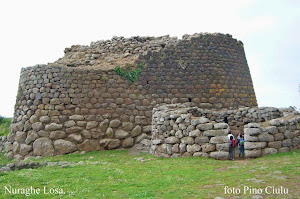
(277, 135)
(179, 131)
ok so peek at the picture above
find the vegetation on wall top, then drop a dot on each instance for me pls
(129, 73)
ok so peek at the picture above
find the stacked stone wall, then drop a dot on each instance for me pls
(179, 130)
(61, 109)
(277, 135)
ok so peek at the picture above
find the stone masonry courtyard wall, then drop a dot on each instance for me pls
(77, 104)
(179, 130)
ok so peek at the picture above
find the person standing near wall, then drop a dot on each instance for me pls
(241, 146)
(232, 144)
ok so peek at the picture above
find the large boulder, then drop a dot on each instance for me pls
(255, 145)
(208, 147)
(265, 137)
(25, 149)
(205, 127)
(267, 151)
(252, 153)
(63, 146)
(219, 155)
(43, 147)
(89, 145)
(213, 133)
(252, 131)
(219, 140)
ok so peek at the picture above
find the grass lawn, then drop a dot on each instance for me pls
(116, 174)
(4, 125)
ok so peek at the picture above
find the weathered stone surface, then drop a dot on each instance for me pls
(284, 150)
(175, 148)
(103, 125)
(222, 147)
(92, 124)
(76, 117)
(25, 149)
(74, 130)
(45, 119)
(37, 126)
(201, 154)
(139, 138)
(278, 136)
(43, 133)
(57, 135)
(53, 127)
(147, 129)
(136, 131)
(20, 136)
(252, 153)
(109, 132)
(8, 146)
(219, 155)
(276, 144)
(140, 120)
(16, 147)
(254, 145)
(252, 125)
(204, 127)
(218, 140)
(274, 122)
(115, 143)
(182, 148)
(187, 140)
(127, 142)
(114, 123)
(127, 126)
(220, 126)
(186, 154)
(249, 138)
(265, 137)
(288, 135)
(201, 139)
(120, 134)
(86, 133)
(207, 147)
(213, 133)
(89, 145)
(272, 129)
(267, 151)
(63, 146)
(193, 148)
(195, 133)
(70, 123)
(172, 140)
(76, 138)
(287, 143)
(43, 147)
(252, 131)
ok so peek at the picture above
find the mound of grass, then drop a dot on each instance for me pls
(4, 125)
(116, 174)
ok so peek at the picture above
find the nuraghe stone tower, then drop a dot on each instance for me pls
(101, 96)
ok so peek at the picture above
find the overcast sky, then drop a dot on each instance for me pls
(36, 32)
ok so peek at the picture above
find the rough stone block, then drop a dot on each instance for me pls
(252, 153)
(255, 145)
(219, 155)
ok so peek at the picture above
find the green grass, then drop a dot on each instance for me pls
(4, 125)
(116, 174)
